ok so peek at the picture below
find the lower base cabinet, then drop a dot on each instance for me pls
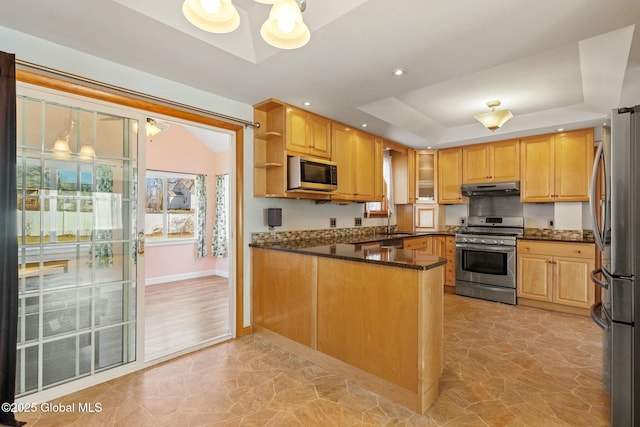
(377, 323)
(442, 246)
(555, 275)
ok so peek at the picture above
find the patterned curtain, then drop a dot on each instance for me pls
(201, 193)
(220, 240)
(102, 252)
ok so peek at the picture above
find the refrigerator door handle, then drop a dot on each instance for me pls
(596, 316)
(593, 196)
(594, 279)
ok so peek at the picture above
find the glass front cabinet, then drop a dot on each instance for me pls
(76, 190)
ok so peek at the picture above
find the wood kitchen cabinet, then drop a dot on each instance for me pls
(450, 176)
(404, 177)
(428, 217)
(556, 167)
(425, 175)
(492, 162)
(439, 245)
(307, 133)
(555, 275)
(270, 153)
(357, 155)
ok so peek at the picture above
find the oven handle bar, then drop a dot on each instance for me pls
(486, 248)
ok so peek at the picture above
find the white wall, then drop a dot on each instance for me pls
(297, 214)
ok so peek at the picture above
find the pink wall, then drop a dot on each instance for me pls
(177, 150)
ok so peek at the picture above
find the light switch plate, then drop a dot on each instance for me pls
(332, 222)
(358, 222)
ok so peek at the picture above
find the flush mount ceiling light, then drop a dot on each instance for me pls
(283, 29)
(215, 16)
(493, 119)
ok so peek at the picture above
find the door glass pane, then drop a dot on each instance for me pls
(76, 228)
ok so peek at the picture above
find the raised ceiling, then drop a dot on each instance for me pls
(552, 63)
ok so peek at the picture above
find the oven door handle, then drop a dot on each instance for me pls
(487, 248)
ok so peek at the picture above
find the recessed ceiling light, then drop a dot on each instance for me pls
(560, 129)
(429, 148)
(307, 103)
(364, 125)
(399, 72)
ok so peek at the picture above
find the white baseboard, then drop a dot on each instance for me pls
(185, 276)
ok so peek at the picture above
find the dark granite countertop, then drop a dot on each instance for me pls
(578, 238)
(389, 256)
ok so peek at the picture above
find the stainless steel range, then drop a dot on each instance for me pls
(486, 258)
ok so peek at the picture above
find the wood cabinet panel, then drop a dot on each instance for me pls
(422, 242)
(284, 293)
(449, 176)
(534, 277)
(475, 161)
(343, 154)
(573, 164)
(556, 167)
(307, 133)
(505, 160)
(537, 167)
(557, 273)
(363, 319)
(572, 282)
(492, 162)
(359, 160)
(364, 172)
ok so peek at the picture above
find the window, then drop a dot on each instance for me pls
(171, 206)
(382, 209)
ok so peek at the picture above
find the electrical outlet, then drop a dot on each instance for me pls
(332, 222)
(550, 223)
(463, 221)
(358, 222)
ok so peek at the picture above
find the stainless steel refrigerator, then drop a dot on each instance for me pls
(616, 217)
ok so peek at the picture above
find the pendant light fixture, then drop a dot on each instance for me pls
(493, 119)
(61, 149)
(214, 16)
(283, 29)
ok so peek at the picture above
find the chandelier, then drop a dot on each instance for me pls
(284, 28)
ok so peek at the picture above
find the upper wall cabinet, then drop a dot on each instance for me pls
(557, 167)
(450, 176)
(404, 177)
(308, 133)
(426, 167)
(493, 162)
(270, 153)
(359, 159)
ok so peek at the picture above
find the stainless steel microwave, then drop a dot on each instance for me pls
(305, 173)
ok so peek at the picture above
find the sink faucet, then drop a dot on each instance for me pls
(388, 222)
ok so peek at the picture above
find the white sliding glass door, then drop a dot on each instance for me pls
(76, 174)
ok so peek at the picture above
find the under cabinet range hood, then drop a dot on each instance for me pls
(491, 189)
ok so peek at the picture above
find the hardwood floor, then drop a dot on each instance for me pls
(182, 314)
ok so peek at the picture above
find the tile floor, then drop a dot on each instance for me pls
(504, 366)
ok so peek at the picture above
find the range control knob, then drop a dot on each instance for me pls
(495, 242)
(482, 241)
(501, 242)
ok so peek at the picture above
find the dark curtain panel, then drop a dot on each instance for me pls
(8, 237)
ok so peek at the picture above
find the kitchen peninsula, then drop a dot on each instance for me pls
(370, 312)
